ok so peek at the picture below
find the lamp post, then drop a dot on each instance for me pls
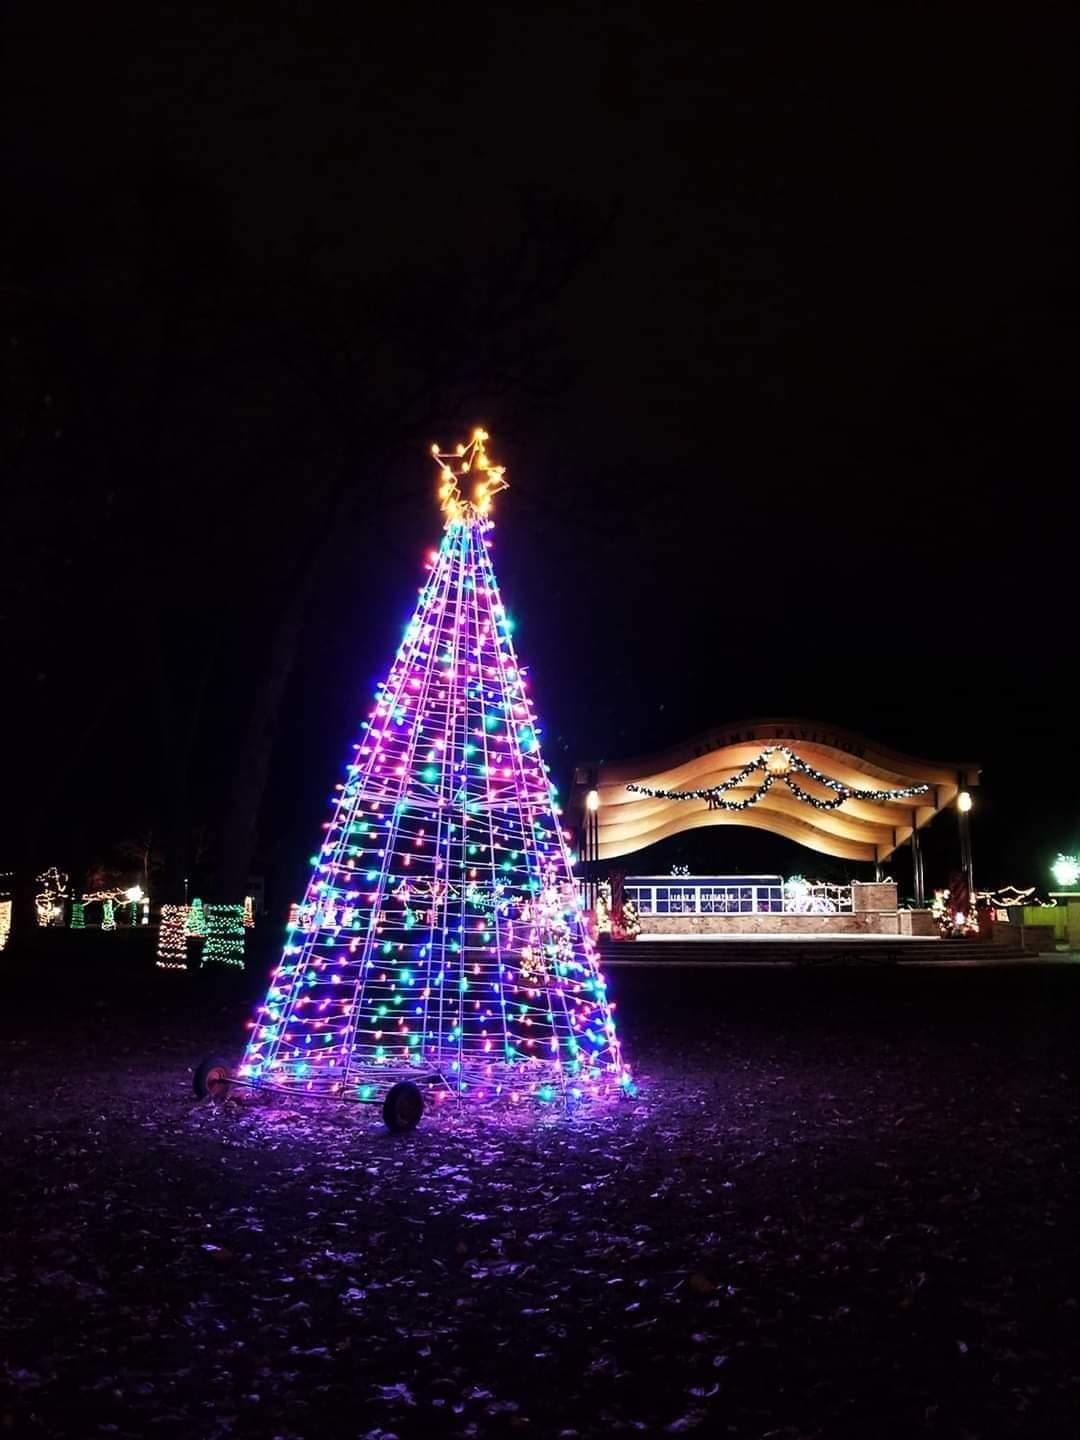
(963, 818)
(592, 846)
(918, 873)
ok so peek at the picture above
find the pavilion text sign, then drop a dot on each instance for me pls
(780, 732)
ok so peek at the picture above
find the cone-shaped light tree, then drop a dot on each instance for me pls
(441, 934)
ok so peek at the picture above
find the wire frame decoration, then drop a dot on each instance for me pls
(195, 925)
(224, 943)
(172, 938)
(441, 936)
(50, 900)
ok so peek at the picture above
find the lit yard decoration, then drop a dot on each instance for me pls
(631, 920)
(49, 900)
(1066, 871)
(196, 920)
(441, 940)
(78, 915)
(955, 915)
(249, 912)
(805, 897)
(137, 903)
(172, 938)
(224, 935)
(603, 908)
(1011, 896)
(1004, 902)
(7, 879)
(109, 900)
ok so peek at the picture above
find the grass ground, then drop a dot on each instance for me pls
(844, 1203)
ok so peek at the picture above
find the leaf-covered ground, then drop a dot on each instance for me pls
(844, 1203)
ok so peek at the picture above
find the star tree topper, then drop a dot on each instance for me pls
(470, 459)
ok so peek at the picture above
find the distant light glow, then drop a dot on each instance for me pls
(1066, 871)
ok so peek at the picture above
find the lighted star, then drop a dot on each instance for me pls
(466, 460)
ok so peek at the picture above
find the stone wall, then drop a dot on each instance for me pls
(918, 922)
(867, 923)
(878, 895)
(1040, 938)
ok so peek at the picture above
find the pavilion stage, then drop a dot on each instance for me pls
(831, 791)
(765, 920)
(759, 906)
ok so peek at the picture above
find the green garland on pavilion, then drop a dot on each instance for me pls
(778, 762)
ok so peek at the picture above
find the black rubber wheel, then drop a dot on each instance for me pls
(403, 1107)
(211, 1078)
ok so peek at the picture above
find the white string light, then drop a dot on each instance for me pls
(49, 902)
(172, 938)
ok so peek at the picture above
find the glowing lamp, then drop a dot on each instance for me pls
(1066, 871)
(592, 801)
(964, 801)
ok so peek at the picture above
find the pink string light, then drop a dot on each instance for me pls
(442, 894)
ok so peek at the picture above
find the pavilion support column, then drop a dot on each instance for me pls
(918, 875)
(963, 820)
(966, 863)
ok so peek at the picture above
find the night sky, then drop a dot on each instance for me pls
(764, 316)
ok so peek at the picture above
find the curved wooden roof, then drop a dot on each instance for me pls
(857, 830)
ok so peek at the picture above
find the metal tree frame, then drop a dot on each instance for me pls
(441, 938)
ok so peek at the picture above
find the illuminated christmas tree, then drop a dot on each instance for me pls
(441, 936)
(196, 920)
(78, 915)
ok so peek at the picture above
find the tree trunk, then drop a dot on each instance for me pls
(253, 763)
(180, 708)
